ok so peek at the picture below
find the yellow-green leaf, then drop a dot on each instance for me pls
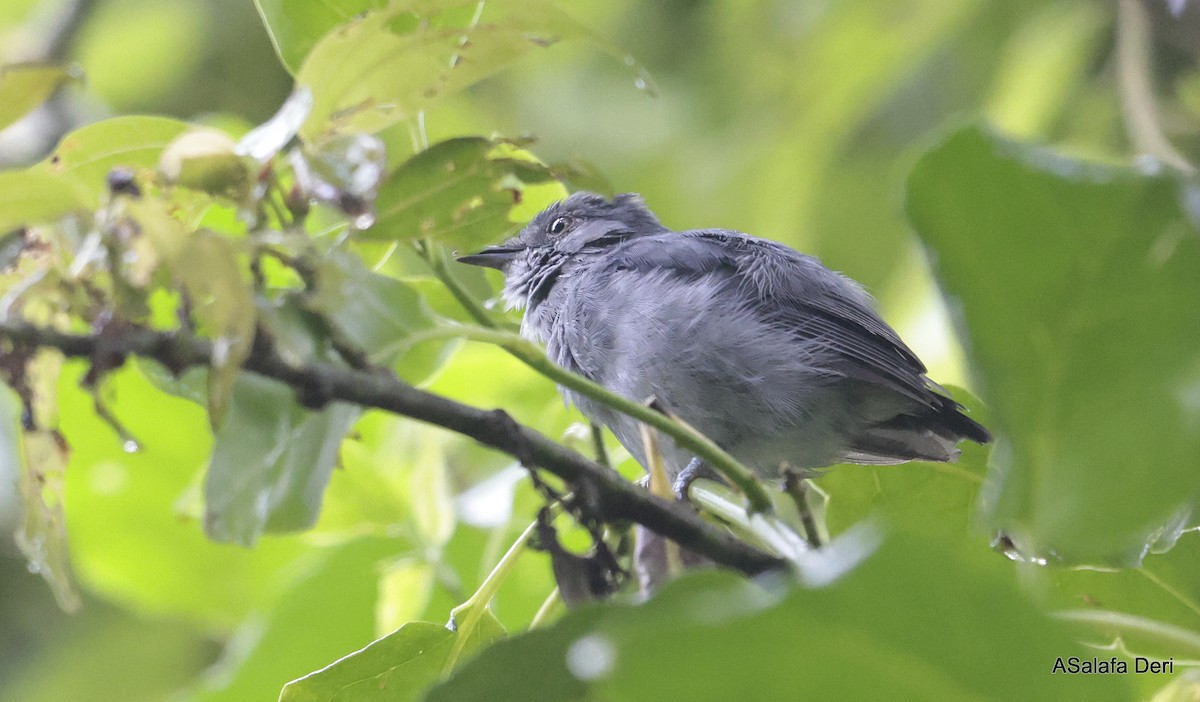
(25, 86)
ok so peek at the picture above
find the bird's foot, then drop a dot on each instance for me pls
(694, 470)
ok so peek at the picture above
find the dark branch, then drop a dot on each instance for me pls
(617, 498)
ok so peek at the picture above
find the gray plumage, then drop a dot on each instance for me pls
(775, 357)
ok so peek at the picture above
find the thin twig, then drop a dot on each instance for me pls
(685, 436)
(1137, 91)
(617, 498)
(435, 257)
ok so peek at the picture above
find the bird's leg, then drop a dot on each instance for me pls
(694, 470)
(795, 484)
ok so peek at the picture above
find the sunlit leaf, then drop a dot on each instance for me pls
(458, 192)
(405, 589)
(32, 196)
(25, 86)
(1070, 279)
(397, 667)
(205, 159)
(329, 612)
(295, 26)
(271, 461)
(387, 66)
(87, 154)
(432, 503)
(135, 535)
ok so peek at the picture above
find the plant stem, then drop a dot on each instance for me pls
(435, 257)
(616, 498)
(720, 501)
(482, 598)
(685, 436)
(598, 445)
(1137, 93)
(550, 607)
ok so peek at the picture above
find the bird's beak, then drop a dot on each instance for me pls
(495, 257)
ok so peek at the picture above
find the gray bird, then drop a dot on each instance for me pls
(776, 358)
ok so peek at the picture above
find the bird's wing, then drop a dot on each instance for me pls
(796, 293)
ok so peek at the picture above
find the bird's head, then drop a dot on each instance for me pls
(583, 224)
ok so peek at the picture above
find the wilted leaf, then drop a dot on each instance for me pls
(220, 298)
(38, 458)
(25, 86)
(271, 461)
(458, 192)
(1073, 283)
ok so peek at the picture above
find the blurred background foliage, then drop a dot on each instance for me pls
(794, 120)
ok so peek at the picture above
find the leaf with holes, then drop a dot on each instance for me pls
(457, 192)
(389, 65)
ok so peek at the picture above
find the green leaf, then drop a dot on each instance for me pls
(86, 155)
(205, 159)
(130, 509)
(1071, 279)
(223, 304)
(295, 26)
(327, 612)
(387, 66)
(25, 86)
(271, 461)
(432, 502)
(1164, 589)
(458, 192)
(32, 196)
(397, 667)
(37, 457)
(938, 500)
(380, 315)
(914, 622)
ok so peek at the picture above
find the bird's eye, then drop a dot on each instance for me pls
(558, 226)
